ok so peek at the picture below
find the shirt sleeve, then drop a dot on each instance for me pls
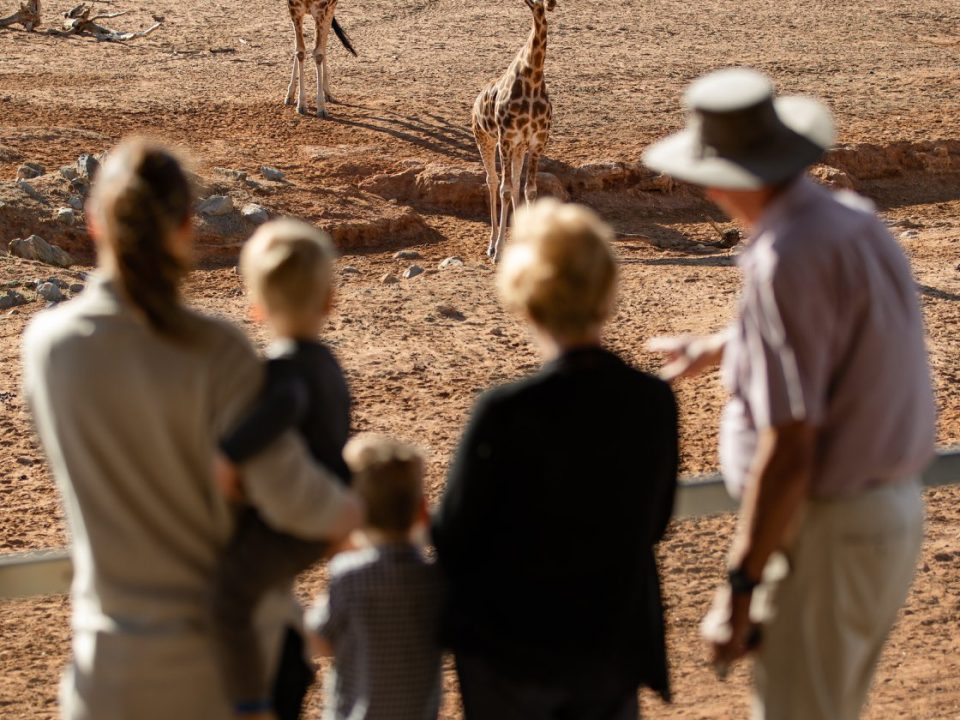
(785, 328)
(669, 464)
(464, 512)
(326, 617)
(291, 492)
(280, 407)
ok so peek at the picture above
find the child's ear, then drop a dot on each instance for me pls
(257, 313)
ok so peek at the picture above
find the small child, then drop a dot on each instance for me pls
(380, 620)
(287, 267)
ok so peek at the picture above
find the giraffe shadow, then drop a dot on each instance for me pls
(430, 132)
(937, 293)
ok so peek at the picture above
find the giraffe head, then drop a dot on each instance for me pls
(538, 6)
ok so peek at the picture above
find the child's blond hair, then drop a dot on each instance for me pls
(559, 269)
(388, 476)
(287, 266)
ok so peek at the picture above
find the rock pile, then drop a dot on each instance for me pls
(36, 248)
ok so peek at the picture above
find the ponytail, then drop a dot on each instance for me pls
(142, 198)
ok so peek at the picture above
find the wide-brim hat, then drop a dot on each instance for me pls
(740, 136)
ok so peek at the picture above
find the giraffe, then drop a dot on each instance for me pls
(322, 13)
(513, 115)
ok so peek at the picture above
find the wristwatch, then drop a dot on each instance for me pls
(740, 582)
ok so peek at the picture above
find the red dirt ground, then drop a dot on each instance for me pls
(616, 70)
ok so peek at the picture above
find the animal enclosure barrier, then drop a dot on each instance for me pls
(48, 572)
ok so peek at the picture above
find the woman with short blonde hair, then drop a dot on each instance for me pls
(561, 486)
(559, 270)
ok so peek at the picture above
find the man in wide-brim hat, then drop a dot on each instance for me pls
(831, 417)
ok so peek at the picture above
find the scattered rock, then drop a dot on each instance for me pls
(549, 184)
(87, 166)
(450, 312)
(31, 191)
(29, 171)
(68, 172)
(412, 272)
(36, 248)
(81, 186)
(66, 216)
(271, 173)
(349, 270)
(453, 261)
(407, 255)
(909, 234)
(216, 206)
(389, 279)
(255, 213)
(75, 202)
(496, 332)
(50, 292)
(238, 175)
(943, 557)
(11, 299)
(832, 177)
(76, 288)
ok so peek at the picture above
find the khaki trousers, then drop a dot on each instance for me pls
(850, 569)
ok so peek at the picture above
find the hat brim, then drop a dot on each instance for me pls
(809, 132)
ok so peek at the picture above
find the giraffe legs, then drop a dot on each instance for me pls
(326, 73)
(296, 78)
(533, 166)
(511, 160)
(488, 154)
(516, 172)
(320, 60)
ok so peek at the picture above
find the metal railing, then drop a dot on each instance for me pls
(48, 572)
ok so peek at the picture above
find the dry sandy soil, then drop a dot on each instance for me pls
(396, 166)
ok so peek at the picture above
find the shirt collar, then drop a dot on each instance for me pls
(797, 194)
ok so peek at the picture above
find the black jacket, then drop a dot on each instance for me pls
(304, 388)
(560, 488)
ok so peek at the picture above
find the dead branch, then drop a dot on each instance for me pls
(28, 15)
(78, 21)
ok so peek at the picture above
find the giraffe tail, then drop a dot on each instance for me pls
(344, 38)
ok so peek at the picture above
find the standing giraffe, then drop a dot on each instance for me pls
(322, 13)
(514, 114)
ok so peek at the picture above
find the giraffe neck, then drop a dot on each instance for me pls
(534, 53)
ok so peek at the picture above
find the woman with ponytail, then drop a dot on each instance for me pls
(130, 392)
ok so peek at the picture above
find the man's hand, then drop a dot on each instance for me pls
(688, 355)
(227, 478)
(739, 631)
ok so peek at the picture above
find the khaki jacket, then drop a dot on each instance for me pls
(129, 421)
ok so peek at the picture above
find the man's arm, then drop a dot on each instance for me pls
(776, 491)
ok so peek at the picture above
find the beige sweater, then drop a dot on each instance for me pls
(129, 421)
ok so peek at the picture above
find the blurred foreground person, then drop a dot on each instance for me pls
(131, 392)
(562, 485)
(831, 417)
(380, 617)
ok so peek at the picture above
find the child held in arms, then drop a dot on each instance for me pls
(287, 267)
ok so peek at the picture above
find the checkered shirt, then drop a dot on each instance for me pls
(382, 617)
